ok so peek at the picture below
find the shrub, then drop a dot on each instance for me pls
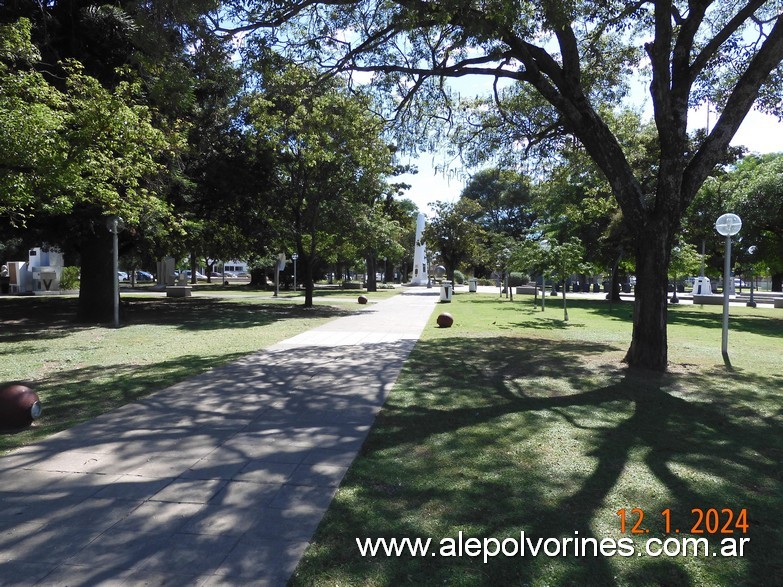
(487, 282)
(69, 278)
(517, 279)
(459, 278)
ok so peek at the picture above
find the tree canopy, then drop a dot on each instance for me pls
(81, 148)
(330, 159)
(570, 63)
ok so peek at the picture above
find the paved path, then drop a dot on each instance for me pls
(218, 480)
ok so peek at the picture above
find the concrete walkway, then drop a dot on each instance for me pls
(218, 480)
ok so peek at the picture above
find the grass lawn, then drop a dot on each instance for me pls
(81, 371)
(325, 294)
(514, 421)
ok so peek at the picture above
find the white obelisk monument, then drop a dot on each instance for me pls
(419, 255)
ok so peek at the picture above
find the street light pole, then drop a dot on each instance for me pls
(113, 223)
(726, 290)
(727, 225)
(545, 247)
(752, 302)
(294, 256)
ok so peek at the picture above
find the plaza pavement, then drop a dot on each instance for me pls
(219, 480)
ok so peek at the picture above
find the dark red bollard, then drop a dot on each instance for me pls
(19, 406)
(445, 320)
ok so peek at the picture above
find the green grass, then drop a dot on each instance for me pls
(327, 294)
(514, 420)
(82, 371)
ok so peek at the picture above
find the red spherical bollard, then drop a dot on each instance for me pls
(19, 406)
(363, 300)
(445, 320)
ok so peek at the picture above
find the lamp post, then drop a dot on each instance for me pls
(727, 225)
(751, 302)
(294, 256)
(545, 248)
(115, 224)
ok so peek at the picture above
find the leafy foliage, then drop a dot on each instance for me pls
(505, 198)
(330, 160)
(82, 147)
(451, 235)
(571, 61)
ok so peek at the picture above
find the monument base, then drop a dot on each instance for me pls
(179, 291)
(711, 300)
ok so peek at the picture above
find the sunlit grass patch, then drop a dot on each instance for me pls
(513, 420)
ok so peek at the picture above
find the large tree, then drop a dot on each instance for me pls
(574, 57)
(71, 157)
(506, 200)
(114, 126)
(330, 159)
(452, 235)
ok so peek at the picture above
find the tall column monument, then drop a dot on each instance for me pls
(419, 255)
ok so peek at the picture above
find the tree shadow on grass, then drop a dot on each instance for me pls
(762, 323)
(481, 446)
(23, 318)
(215, 313)
(30, 317)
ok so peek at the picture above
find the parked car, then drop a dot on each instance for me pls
(223, 274)
(198, 275)
(122, 275)
(144, 276)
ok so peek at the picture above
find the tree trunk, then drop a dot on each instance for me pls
(307, 265)
(258, 277)
(193, 268)
(372, 284)
(777, 282)
(96, 292)
(648, 348)
(450, 268)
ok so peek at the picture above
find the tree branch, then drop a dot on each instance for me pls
(737, 107)
(659, 52)
(709, 50)
(280, 17)
(681, 56)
